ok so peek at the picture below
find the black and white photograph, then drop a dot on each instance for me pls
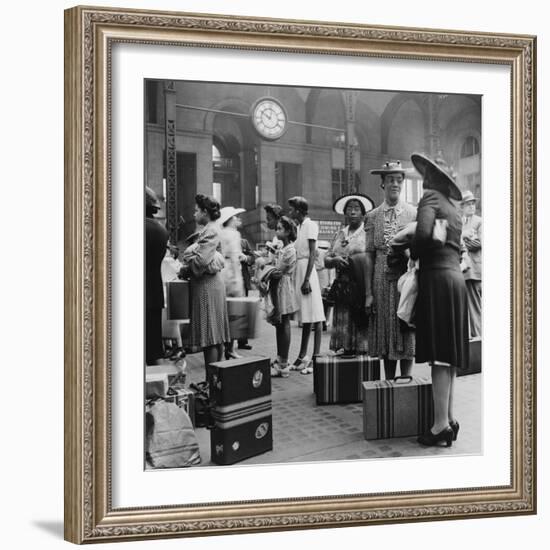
(313, 274)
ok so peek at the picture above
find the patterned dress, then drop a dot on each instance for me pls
(209, 321)
(387, 338)
(286, 293)
(346, 332)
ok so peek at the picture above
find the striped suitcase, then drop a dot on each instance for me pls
(397, 408)
(242, 430)
(339, 378)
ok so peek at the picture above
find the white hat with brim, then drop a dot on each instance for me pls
(441, 179)
(227, 212)
(340, 204)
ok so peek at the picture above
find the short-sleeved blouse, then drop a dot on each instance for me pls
(346, 243)
(308, 230)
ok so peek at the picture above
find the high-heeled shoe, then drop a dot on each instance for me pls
(430, 439)
(455, 426)
(301, 363)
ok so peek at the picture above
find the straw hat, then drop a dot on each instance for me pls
(227, 212)
(340, 204)
(390, 167)
(440, 174)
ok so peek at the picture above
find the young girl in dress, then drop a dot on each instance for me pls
(286, 297)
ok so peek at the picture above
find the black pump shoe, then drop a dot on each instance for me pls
(432, 440)
(455, 426)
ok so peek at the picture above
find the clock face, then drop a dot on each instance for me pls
(269, 118)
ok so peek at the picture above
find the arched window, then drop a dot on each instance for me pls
(470, 147)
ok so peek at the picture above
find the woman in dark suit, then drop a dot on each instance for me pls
(442, 303)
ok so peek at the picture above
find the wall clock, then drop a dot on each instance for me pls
(269, 118)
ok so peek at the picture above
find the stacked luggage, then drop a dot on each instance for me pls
(240, 390)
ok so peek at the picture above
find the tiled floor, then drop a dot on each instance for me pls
(304, 432)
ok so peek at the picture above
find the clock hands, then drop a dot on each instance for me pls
(269, 119)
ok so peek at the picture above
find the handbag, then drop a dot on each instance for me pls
(402, 239)
(343, 289)
(439, 233)
(407, 285)
(170, 438)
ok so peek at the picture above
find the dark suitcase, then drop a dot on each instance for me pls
(239, 380)
(177, 300)
(397, 408)
(474, 366)
(339, 378)
(242, 430)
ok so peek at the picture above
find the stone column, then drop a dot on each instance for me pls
(433, 138)
(170, 152)
(350, 102)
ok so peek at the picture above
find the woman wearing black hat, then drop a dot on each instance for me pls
(442, 305)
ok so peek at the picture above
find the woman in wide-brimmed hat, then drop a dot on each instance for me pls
(388, 338)
(441, 306)
(347, 255)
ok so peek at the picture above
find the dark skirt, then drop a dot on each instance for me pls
(153, 335)
(442, 317)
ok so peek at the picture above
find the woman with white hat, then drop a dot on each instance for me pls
(232, 251)
(347, 255)
(442, 304)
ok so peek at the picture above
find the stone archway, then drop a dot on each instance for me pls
(390, 112)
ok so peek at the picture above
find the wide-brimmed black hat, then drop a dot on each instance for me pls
(151, 200)
(440, 174)
(339, 205)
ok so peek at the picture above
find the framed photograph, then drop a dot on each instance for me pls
(276, 236)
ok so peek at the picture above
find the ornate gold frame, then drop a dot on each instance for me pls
(89, 34)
